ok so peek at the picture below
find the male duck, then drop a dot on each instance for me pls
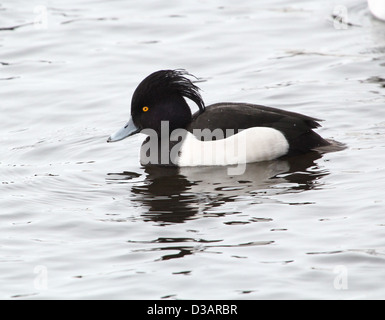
(224, 133)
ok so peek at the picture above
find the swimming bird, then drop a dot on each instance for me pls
(377, 7)
(225, 133)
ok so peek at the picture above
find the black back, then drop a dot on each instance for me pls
(296, 127)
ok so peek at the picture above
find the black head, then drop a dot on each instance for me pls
(161, 97)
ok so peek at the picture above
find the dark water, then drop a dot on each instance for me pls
(81, 218)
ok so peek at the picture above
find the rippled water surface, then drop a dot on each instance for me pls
(80, 218)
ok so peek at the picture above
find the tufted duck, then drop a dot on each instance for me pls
(224, 133)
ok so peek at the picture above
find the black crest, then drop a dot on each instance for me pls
(164, 83)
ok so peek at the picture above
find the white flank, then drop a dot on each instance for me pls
(250, 145)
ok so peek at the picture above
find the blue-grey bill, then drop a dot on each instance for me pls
(128, 130)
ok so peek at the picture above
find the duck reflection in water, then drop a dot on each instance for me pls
(174, 195)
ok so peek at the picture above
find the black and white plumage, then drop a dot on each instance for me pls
(233, 132)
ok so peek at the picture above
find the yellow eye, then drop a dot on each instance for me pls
(145, 109)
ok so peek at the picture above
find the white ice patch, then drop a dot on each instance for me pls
(377, 7)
